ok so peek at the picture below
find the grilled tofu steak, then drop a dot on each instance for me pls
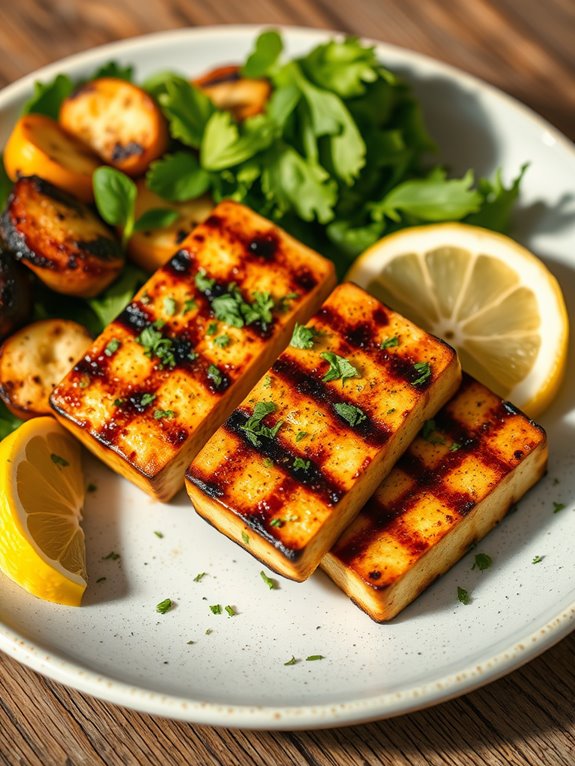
(296, 461)
(466, 469)
(168, 371)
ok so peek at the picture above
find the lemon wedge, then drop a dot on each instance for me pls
(41, 497)
(486, 295)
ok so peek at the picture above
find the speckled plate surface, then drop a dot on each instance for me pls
(231, 671)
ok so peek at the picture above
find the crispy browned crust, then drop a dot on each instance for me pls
(242, 96)
(288, 514)
(60, 239)
(111, 398)
(454, 483)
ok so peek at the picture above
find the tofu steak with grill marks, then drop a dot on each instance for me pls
(295, 462)
(167, 372)
(462, 474)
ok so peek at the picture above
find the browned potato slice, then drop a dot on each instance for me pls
(34, 360)
(15, 294)
(242, 96)
(60, 239)
(151, 249)
(119, 121)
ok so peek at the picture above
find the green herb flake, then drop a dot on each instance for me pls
(146, 399)
(212, 328)
(482, 562)
(216, 608)
(272, 584)
(301, 464)
(161, 414)
(112, 556)
(455, 447)
(223, 341)
(389, 342)
(189, 305)
(254, 428)
(558, 507)
(428, 432)
(276, 523)
(340, 368)
(159, 534)
(350, 413)
(268, 462)
(189, 643)
(157, 346)
(301, 435)
(314, 657)
(215, 375)
(293, 661)
(112, 347)
(204, 283)
(303, 337)
(164, 606)
(209, 631)
(200, 576)
(463, 596)
(245, 537)
(267, 381)
(423, 370)
(170, 306)
(58, 460)
(391, 410)
(537, 559)
(230, 610)
(119, 402)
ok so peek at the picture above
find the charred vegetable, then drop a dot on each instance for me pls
(228, 89)
(60, 239)
(15, 294)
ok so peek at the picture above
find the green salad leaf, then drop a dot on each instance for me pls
(48, 97)
(178, 177)
(267, 50)
(8, 421)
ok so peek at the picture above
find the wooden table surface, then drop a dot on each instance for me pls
(524, 47)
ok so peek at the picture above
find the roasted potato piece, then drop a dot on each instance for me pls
(34, 360)
(117, 120)
(151, 249)
(15, 294)
(242, 96)
(60, 239)
(39, 146)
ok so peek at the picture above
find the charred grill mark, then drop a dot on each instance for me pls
(263, 246)
(135, 318)
(221, 75)
(125, 151)
(314, 479)
(304, 279)
(104, 248)
(180, 263)
(310, 386)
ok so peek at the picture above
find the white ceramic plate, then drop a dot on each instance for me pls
(117, 647)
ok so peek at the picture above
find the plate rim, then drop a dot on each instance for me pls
(351, 712)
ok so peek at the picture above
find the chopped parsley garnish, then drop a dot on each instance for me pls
(537, 559)
(58, 460)
(231, 308)
(350, 413)
(170, 306)
(391, 410)
(147, 399)
(189, 305)
(267, 381)
(203, 282)
(209, 631)
(301, 435)
(161, 414)
(245, 538)
(215, 375)
(222, 341)
(164, 606)
(91, 487)
(314, 657)
(339, 367)
(463, 596)
(230, 610)
(112, 556)
(389, 342)
(482, 562)
(212, 328)
(428, 431)
(455, 446)
(423, 369)
(112, 347)
(155, 345)
(291, 662)
(254, 428)
(119, 402)
(145, 298)
(272, 584)
(200, 576)
(558, 507)
(303, 337)
(216, 608)
(283, 303)
(301, 464)
(268, 462)
(276, 523)
(158, 534)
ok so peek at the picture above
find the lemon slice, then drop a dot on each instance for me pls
(41, 497)
(486, 295)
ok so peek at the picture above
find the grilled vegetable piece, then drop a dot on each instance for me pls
(150, 249)
(60, 239)
(38, 146)
(117, 120)
(15, 294)
(295, 462)
(242, 96)
(34, 359)
(168, 371)
(457, 480)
